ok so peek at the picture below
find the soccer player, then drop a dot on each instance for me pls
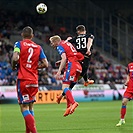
(83, 44)
(128, 95)
(70, 61)
(28, 57)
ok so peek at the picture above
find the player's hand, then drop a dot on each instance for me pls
(14, 68)
(88, 52)
(126, 83)
(57, 76)
(69, 38)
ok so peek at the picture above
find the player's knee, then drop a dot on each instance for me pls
(124, 102)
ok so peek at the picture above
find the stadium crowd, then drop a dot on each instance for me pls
(101, 70)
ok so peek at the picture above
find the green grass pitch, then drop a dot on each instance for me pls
(90, 117)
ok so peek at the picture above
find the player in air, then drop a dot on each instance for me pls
(70, 61)
(83, 44)
(128, 95)
(27, 58)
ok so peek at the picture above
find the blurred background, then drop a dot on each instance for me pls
(109, 21)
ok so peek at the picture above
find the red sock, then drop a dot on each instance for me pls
(70, 97)
(123, 112)
(27, 129)
(29, 121)
(68, 102)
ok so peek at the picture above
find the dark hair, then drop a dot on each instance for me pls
(80, 28)
(27, 32)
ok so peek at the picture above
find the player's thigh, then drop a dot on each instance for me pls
(24, 107)
(127, 95)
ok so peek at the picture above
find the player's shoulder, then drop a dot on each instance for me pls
(17, 44)
(90, 36)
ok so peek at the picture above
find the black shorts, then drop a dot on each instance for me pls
(85, 65)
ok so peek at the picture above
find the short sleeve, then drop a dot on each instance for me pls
(17, 47)
(91, 36)
(60, 49)
(42, 55)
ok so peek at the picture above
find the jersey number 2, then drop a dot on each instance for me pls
(30, 51)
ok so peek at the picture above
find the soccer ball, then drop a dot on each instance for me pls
(41, 8)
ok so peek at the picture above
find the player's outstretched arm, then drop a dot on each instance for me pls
(127, 80)
(43, 64)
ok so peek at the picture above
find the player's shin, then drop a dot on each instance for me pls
(27, 129)
(29, 120)
(69, 95)
(123, 111)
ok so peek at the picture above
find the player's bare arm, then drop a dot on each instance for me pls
(127, 80)
(62, 65)
(15, 59)
(43, 64)
(89, 44)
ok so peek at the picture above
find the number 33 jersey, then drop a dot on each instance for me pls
(80, 42)
(29, 56)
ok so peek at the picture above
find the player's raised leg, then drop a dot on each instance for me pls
(69, 98)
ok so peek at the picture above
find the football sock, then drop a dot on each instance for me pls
(85, 77)
(71, 86)
(29, 120)
(63, 94)
(69, 95)
(27, 129)
(32, 112)
(68, 102)
(123, 111)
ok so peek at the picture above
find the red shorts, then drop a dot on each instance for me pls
(128, 95)
(72, 72)
(26, 91)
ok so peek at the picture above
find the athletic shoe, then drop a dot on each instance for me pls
(120, 123)
(88, 82)
(58, 99)
(73, 107)
(67, 112)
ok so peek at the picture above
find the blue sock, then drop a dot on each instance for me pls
(32, 112)
(123, 106)
(65, 90)
(25, 113)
